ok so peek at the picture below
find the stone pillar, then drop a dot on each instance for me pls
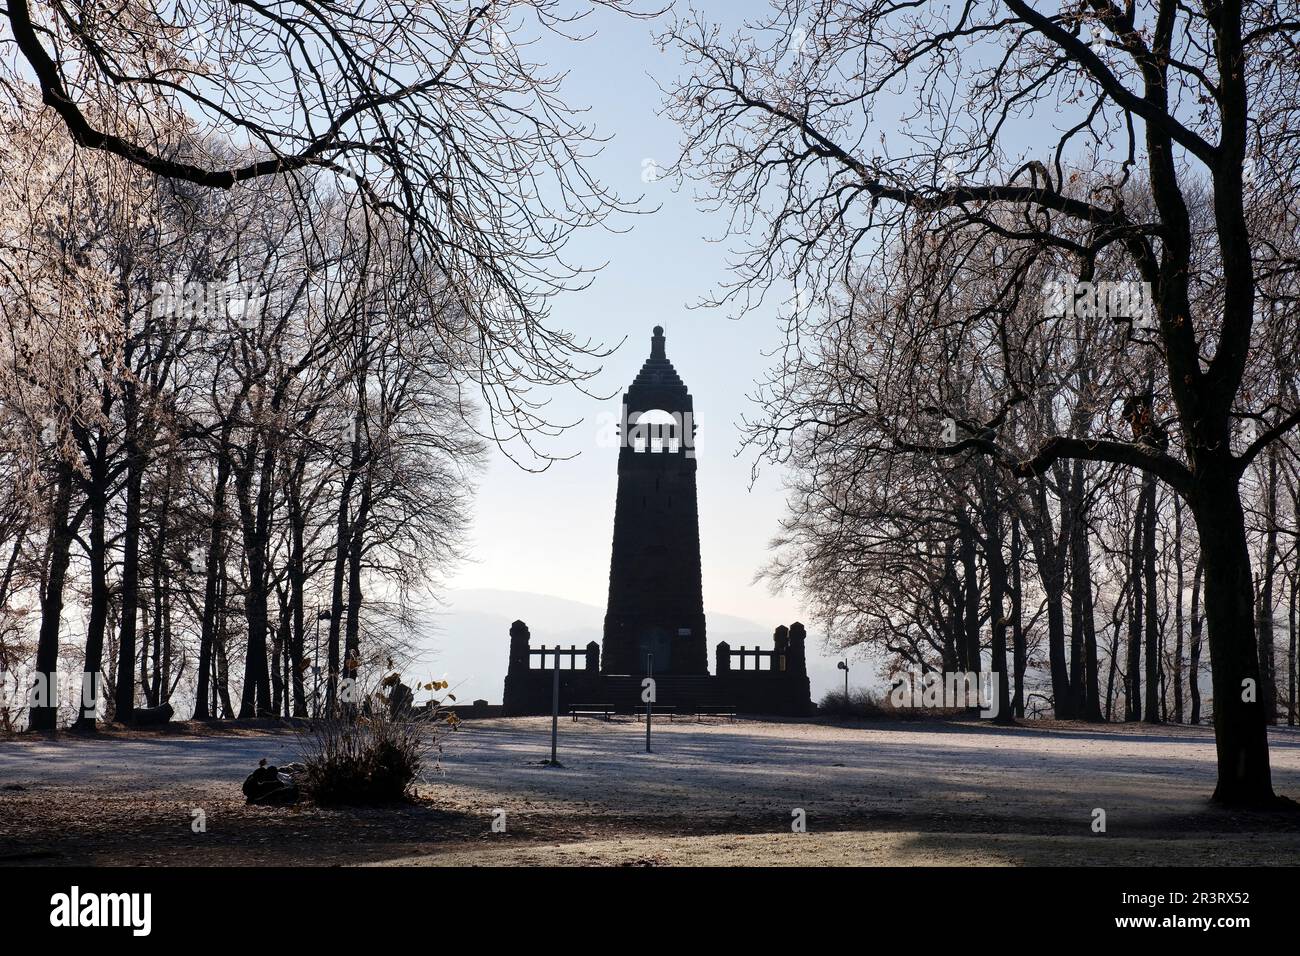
(797, 659)
(781, 645)
(515, 700)
(593, 656)
(723, 658)
(519, 638)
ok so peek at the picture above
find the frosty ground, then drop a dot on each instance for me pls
(907, 793)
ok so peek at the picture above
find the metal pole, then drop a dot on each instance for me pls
(315, 693)
(555, 704)
(649, 704)
(846, 684)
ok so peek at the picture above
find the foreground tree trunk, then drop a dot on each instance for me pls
(1241, 735)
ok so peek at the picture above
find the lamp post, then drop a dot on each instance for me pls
(844, 666)
(315, 669)
(321, 615)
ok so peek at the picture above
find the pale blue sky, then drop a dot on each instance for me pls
(551, 533)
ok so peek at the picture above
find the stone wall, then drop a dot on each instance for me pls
(780, 689)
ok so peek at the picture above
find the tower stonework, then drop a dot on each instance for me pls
(656, 602)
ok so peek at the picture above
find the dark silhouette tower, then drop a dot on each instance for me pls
(656, 602)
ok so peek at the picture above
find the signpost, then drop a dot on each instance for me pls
(649, 696)
(555, 708)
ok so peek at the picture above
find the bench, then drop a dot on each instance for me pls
(592, 710)
(716, 710)
(657, 709)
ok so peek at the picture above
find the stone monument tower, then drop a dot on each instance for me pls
(656, 603)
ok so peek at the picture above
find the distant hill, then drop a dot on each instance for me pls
(468, 640)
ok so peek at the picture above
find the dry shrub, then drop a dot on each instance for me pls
(374, 753)
(859, 703)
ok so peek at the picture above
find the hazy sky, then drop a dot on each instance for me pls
(551, 533)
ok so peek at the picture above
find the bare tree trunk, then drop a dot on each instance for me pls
(279, 653)
(222, 688)
(256, 517)
(951, 599)
(970, 578)
(1240, 728)
(1151, 713)
(213, 568)
(157, 688)
(342, 537)
(997, 571)
(356, 553)
(58, 549)
(92, 677)
(297, 580)
(1291, 647)
(1194, 643)
(1267, 664)
(1019, 653)
(1082, 612)
(124, 698)
(1071, 518)
(1116, 627)
(1178, 610)
(1051, 572)
(146, 622)
(1133, 692)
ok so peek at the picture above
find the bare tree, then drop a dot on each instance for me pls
(1176, 105)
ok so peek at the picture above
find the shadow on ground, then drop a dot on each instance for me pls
(874, 791)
